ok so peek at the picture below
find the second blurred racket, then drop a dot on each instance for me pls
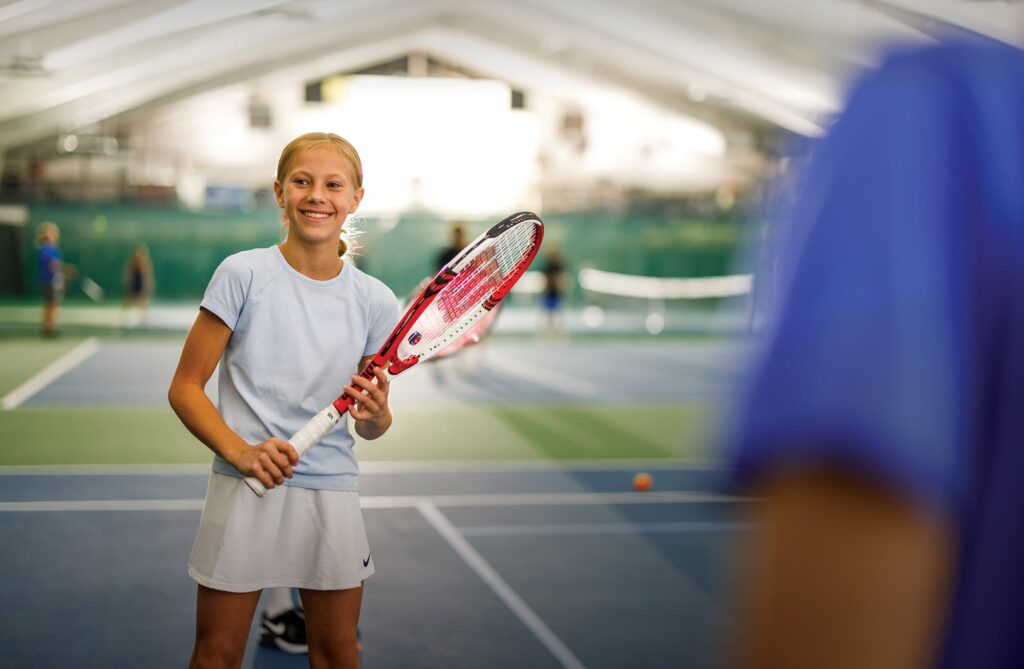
(92, 289)
(475, 334)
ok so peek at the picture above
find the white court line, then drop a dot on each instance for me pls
(552, 499)
(543, 376)
(392, 467)
(106, 505)
(603, 464)
(394, 501)
(500, 587)
(602, 528)
(105, 470)
(50, 373)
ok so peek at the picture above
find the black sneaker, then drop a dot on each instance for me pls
(286, 632)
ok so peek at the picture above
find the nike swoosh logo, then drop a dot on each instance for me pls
(366, 562)
(276, 628)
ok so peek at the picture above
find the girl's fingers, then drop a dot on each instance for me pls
(364, 400)
(368, 389)
(288, 450)
(281, 460)
(266, 462)
(371, 396)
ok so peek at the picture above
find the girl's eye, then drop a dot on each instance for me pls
(300, 182)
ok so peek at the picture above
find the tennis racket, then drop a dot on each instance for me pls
(473, 335)
(91, 289)
(465, 290)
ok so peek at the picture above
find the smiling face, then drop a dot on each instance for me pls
(317, 192)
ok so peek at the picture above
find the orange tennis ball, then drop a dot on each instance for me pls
(642, 481)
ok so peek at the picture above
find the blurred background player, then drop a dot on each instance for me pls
(467, 352)
(53, 272)
(882, 427)
(138, 281)
(458, 242)
(554, 290)
(283, 623)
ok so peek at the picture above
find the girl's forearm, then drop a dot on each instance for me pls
(201, 418)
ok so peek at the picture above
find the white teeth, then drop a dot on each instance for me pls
(315, 214)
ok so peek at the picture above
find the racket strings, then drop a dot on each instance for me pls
(460, 302)
(514, 246)
(467, 290)
(472, 285)
(486, 273)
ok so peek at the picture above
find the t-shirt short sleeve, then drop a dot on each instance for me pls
(47, 255)
(225, 294)
(384, 314)
(864, 364)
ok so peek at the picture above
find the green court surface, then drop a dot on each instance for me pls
(22, 358)
(527, 432)
(74, 436)
(71, 436)
(111, 435)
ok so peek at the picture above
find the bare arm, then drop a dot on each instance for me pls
(372, 414)
(269, 461)
(842, 574)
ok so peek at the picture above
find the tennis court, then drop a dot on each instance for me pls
(518, 543)
(635, 197)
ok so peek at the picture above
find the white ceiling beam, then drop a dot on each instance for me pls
(607, 45)
(35, 16)
(1003, 21)
(177, 19)
(699, 56)
(256, 44)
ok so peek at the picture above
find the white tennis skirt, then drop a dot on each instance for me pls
(292, 537)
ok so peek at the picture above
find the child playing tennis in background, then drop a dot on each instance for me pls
(52, 273)
(286, 323)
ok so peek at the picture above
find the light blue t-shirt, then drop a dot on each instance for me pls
(295, 343)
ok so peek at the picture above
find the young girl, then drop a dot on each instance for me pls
(286, 324)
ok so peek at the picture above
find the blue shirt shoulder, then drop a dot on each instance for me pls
(897, 348)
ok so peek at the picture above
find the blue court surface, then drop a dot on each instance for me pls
(136, 373)
(477, 566)
(497, 563)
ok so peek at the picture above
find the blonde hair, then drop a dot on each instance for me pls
(317, 140)
(47, 229)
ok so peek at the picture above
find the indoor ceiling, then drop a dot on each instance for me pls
(67, 64)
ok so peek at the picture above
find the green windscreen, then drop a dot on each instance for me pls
(186, 246)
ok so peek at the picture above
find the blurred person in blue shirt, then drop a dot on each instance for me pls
(53, 272)
(883, 422)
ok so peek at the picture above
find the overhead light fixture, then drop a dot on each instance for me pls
(67, 144)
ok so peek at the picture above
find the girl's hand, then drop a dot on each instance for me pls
(270, 461)
(371, 411)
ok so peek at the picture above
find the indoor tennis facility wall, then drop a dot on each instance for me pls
(186, 246)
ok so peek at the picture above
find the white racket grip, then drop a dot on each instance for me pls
(303, 440)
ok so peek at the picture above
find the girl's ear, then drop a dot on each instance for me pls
(279, 193)
(356, 200)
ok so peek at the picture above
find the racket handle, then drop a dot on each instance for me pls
(303, 440)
